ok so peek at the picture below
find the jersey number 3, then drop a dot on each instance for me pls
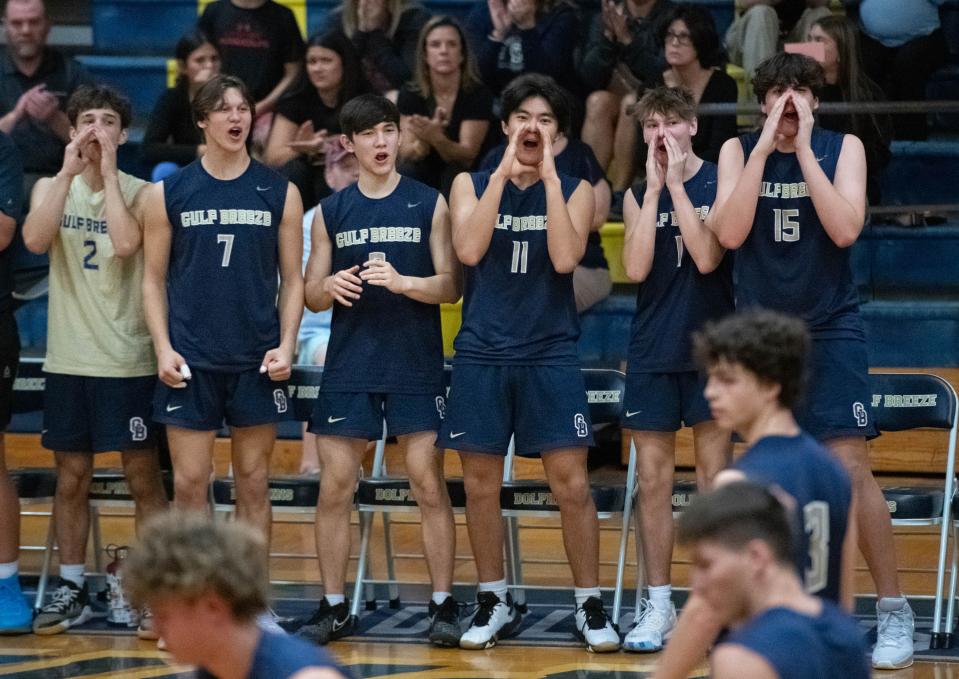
(816, 524)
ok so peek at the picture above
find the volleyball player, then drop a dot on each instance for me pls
(382, 257)
(521, 230)
(99, 364)
(792, 201)
(223, 292)
(685, 279)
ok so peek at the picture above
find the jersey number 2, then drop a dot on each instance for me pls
(816, 525)
(88, 262)
(227, 239)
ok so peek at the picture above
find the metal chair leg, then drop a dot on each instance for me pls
(366, 523)
(45, 566)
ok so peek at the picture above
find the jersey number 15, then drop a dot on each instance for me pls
(786, 228)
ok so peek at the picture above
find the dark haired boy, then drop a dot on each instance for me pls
(521, 230)
(792, 201)
(99, 364)
(740, 537)
(755, 362)
(685, 279)
(382, 257)
(223, 292)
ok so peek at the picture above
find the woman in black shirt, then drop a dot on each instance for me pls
(445, 111)
(309, 114)
(172, 139)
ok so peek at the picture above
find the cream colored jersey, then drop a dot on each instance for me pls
(96, 326)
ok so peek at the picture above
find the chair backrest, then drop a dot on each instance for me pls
(28, 387)
(903, 401)
(604, 394)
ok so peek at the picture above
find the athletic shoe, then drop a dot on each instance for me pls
(653, 627)
(120, 612)
(494, 620)
(146, 630)
(594, 628)
(894, 646)
(15, 615)
(69, 606)
(445, 627)
(328, 623)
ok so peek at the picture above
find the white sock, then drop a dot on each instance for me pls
(74, 573)
(334, 599)
(8, 570)
(661, 596)
(497, 587)
(440, 597)
(581, 594)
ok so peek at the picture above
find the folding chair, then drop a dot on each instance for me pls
(902, 401)
(604, 391)
(385, 494)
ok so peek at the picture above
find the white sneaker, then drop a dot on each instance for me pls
(653, 627)
(494, 619)
(894, 645)
(594, 627)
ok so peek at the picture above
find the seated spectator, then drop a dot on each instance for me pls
(309, 117)
(260, 43)
(846, 80)
(172, 139)
(385, 34)
(902, 45)
(340, 170)
(694, 56)
(445, 111)
(623, 56)
(755, 35)
(523, 36)
(207, 581)
(591, 281)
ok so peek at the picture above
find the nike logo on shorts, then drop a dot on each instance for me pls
(170, 408)
(334, 420)
(634, 412)
(457, 434)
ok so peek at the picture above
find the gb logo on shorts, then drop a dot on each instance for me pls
(138, 430)
(279, 398)
(859, 412)
(441, 407)
(582, 428)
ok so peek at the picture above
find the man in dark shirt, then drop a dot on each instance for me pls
(35, 82)
(260, 43)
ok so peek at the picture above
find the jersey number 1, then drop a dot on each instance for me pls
(227, 239)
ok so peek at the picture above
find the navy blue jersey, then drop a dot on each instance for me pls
(788, 262)
(224, 256)
(820, 486)
(517, 309)
(385, 342)
(675, 299)
(576, 160)
(799, 646)
(279, 656)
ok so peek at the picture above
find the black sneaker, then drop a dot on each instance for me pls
(69, 606)
(328, 623)
(445, 623)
